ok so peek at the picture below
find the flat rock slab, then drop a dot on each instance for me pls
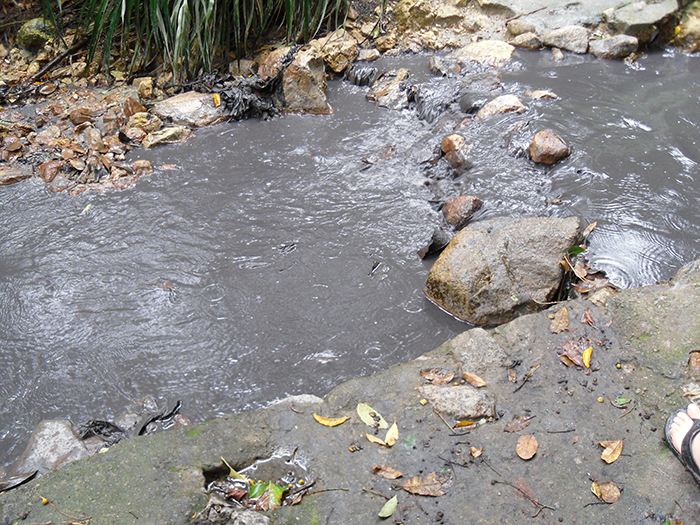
(190, 109)
(492, 271)
(567, 420)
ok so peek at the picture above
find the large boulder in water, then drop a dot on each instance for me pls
(493, 271)
(190, 109)
(618, 46)
(52, 445)
(304, 83)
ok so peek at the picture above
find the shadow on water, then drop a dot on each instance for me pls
(276, 262)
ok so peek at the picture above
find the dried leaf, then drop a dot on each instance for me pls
(476, 452)
(374, 439)
(580, 270)
(392, 435)
(330, 422)
(232, 473)
(526, 492)
(609, 492)
(590, 228)
(473, 379)
(526, 447)
(512, 377)
(571, 352)
(612, 451)
(560, 321)
(386, 471)
(518, 423)
(587, 317)
(437, 376)
(587, 356)
(389, 507)
(595, 489)
(371, 417)
(48, 170)
(428, 485)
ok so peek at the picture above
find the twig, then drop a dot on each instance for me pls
(527, 376)
(377, 493)
(489, 465)
(679, 505)
(66, 515)
(291, 405)
(325, 490)
(561, 431)
(525, 14)
(536, 503)
(419, 505)
(444, 421)
(594, 503)
(630, 410)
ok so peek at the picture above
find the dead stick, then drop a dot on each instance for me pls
(525, 14)
(325, 490)
(66, 515)
(377, 493)
(527, 376)
(444, 421)
(630, 410)
(561, 431)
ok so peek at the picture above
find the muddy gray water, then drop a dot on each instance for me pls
(271, 263)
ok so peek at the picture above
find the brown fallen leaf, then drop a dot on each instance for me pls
(476, 452)
(590, 228)
(375, 439)
(612, 451)
(608, 491)
(386, 472)
(570, 354)
(330, 422)
(526, 492)
(428, 485)
(587, 317)
(473, 379)
(580, 271)
(518, 423)
(437, 376)
(560, 321)
(526, 447)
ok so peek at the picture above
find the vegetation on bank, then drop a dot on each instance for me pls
(190, 36)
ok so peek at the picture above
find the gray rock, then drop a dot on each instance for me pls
(494, 53)
(304, 83)
(389, 91)
(52, 445)
(569, 38)
(502, 104)
(618, 46)
(442, 67)
(641, 18)
(242, 68)
(477, 352)
(492, 271)
(368, 55)
(519, 27)
(169, 135)
(34, 34)
(460, 402)
(190, 109)
(527, 41)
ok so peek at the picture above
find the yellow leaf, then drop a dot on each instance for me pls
(609, 492)
(590, 228)
(392, 435)
(612, 451)
(217, 100)
(374, 439)
(386, 471)
(560, 321)
(330, 422)
(595, 489)
(476, 452)
(371, 417)
(232, 473)
(473, 379)
(587, 356)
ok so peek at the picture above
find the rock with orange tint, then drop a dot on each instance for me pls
(547, 147)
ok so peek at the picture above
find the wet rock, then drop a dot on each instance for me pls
(557, 54)
(80, 115)
(242, 68)
(478, 352)
(338, 49)
(440, 66)
(168, 135)
(438, 241)
(452, 142)
(10, 175)
(144, 87)
(35, 33)
(539, 94)
(519, 27)
(133, 106)
(389, 91)
(618, 46)
(460, 402)
(145, 121)
(482, 82)
(688, 32)
(494, 53)
(368, 55)
(385, 43)
(471, 104)
(641, 19)
(52, 445)
(432, 100)
(547, 147)
(304, 83)
(569, 38)
(459, 210)
(190, 109)
(135, 134)
(49, 169)
(493, 271)
(274, 62)
(527, 41)
(502, 104)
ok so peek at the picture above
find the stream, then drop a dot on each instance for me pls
(275, 261)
